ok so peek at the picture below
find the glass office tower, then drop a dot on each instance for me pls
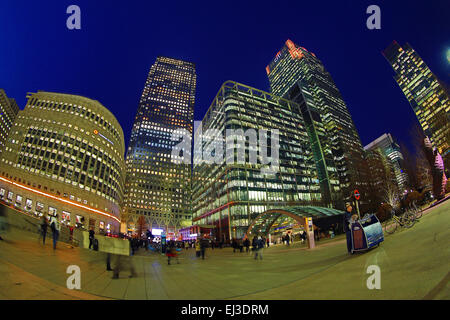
(297, 74)
(158, 186)
(428, 98)
(228, 194)
(391, 150)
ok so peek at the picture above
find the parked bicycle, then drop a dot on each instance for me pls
(406, 220)
(416, 210)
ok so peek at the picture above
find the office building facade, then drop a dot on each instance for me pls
(64, 156)
(231, 191)
(428, 98)
(391, 150)
(296, 73)
(8, 113)
(157, 182)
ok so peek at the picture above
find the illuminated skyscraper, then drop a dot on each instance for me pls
(428, 98)
(157, 188)
(8, 112)
(229, 194)
(298, 75)
(391, 150)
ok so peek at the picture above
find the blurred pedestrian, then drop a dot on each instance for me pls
(44, 227)
(347, 225)
(108, 262)
(198, 248)
(203, 246)
(3, 222)
(254, 243)
(120, 262)
(171, 252)
(55, 226)
(91, 238)
(247, 244)
(259, 247)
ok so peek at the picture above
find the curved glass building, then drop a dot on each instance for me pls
(64, 155)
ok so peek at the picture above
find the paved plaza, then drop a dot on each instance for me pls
(414, 264)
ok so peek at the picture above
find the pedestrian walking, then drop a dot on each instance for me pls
(120, 262)
(203, 246)
(171, 252)
(268, 242)
(91, 238)
(259, 248)
(254, 243)
(347, 225)
(247, 245)
(287, 239)
(108, 262)
(241, 245)
(44, 226)
(55, 226)
(198, 248)
(3, 222)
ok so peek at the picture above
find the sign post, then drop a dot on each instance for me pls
(309, 229)
(357, 196)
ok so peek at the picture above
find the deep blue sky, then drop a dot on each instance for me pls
(109, 58)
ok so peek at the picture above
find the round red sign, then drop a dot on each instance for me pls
(357, 195)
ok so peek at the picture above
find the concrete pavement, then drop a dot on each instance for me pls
(414, 264)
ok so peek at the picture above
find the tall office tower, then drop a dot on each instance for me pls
(428, 98)
(231, 191)
(64, 156)
(391, 150)
(381, 180)
(157, 185)
(8, 113)
(297, 74)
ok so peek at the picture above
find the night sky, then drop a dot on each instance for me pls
(109, 58)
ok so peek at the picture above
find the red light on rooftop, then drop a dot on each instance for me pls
(290, 44)
(268, 70)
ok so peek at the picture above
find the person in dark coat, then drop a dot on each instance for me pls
(234, 245)
(347, 218)
(203, 246)
(254, 243)
(91, 237)
(247, 244)
(44, 227)
(259, 247)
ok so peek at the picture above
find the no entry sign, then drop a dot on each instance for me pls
(357, 194)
